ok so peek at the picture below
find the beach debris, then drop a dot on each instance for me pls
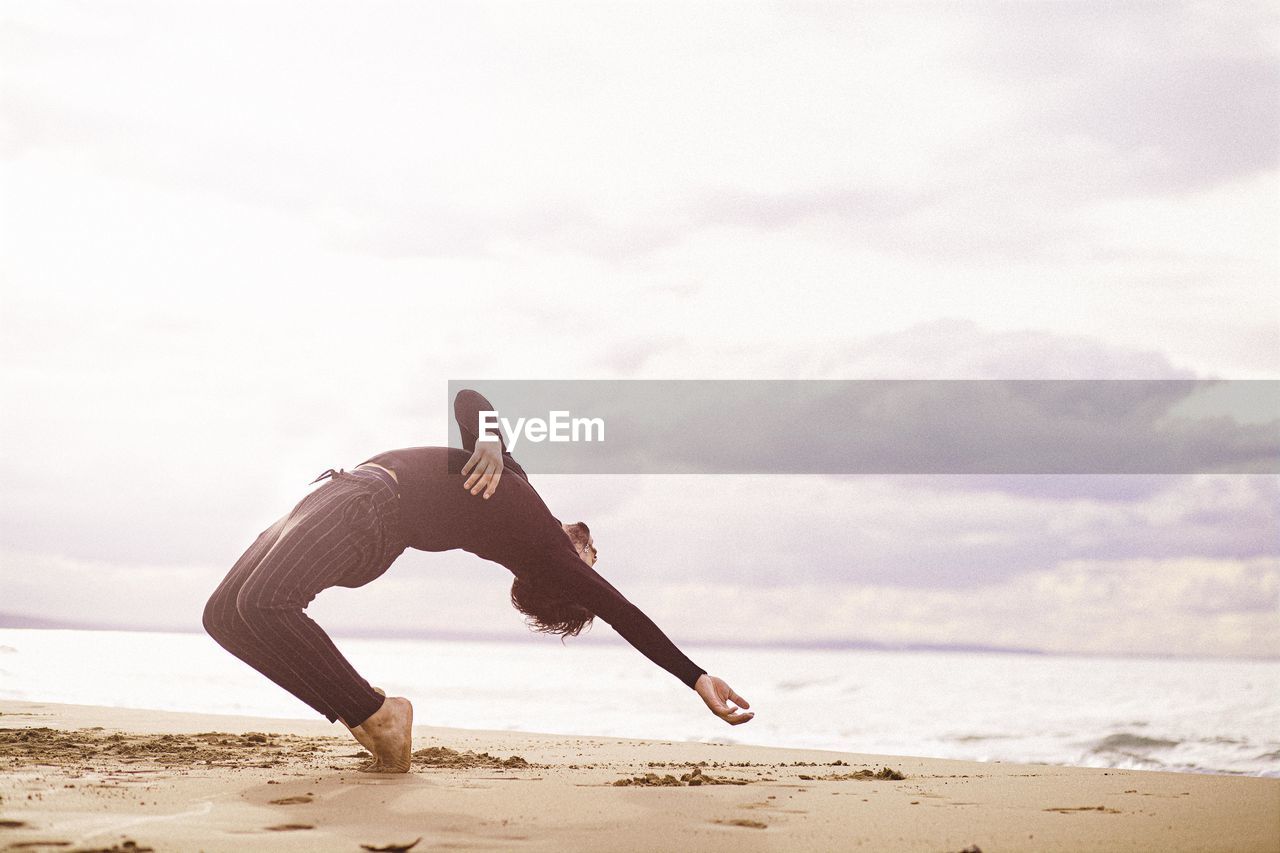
(692, 779)
(1070, 809)
(442, 756)
(292, 801)
(651, 780)
(740, 821)
(126, 846)
(884, 773)
(697, 777)
(12, 824)
(392, 848)
(289, 827)
(972, 848)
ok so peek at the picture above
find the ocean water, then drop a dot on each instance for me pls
(1207, 716)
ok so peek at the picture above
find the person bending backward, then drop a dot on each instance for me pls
(353, 527)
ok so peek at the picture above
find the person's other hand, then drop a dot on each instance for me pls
(485, 466)
(721, 699)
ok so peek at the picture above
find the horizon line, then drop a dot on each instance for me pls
(18, 622)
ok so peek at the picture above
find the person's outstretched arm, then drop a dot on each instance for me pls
(488, 458)
(584, 585)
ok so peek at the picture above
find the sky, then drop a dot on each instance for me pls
(246, 242)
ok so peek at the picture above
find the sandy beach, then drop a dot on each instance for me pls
(91, 778)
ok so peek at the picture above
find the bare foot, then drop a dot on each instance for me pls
(390, 734)
(360, 735)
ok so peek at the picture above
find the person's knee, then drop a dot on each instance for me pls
(258, 604)
(219, 610)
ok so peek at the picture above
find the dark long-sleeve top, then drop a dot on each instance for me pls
(515, 529)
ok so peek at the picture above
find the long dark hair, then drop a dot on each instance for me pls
(544, 610)
(547, 613)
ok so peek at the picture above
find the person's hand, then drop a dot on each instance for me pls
(485, 466)
(721, 699)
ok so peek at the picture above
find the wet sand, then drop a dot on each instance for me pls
(81, 778)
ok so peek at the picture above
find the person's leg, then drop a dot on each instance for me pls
(340, 537)
(331, 538)
(225, 625)
(256, 613)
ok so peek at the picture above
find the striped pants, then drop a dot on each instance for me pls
(345, 533)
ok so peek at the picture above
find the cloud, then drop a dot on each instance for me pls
(956, 348)
(1181, 606)
(914, 533)
(629, 357)
(617, 138)
(1085, 607)
(1182, 91)
(235, 259)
